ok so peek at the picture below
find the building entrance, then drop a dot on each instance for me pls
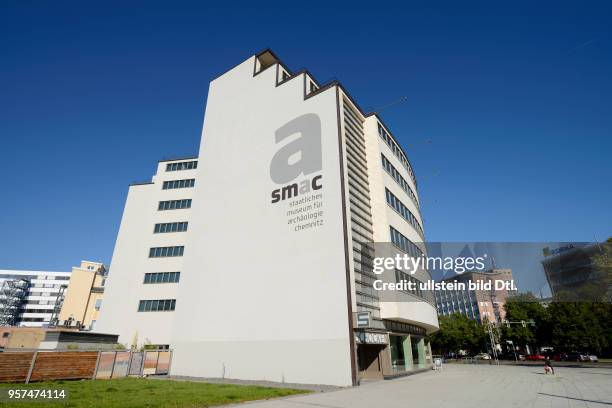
(370, 365)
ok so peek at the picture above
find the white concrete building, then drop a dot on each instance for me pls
(292, 178)
(156, 215)
(42, 294)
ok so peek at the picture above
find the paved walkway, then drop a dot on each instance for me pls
(463, 386)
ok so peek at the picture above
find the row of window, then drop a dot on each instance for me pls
(403, 276)
(170, 227)
(172, 184)
(389, 168)
(404, 243)
(174, 204)
(11, 276)
(396, 151)
(186, 165)
(456, 296)
(164, 252)
(36, 310)
(162, 277)
(469, 312)
(398, 206)
(161, 305)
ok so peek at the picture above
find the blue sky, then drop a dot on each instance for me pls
(508, 120)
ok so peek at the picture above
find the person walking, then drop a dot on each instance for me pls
(548, 365)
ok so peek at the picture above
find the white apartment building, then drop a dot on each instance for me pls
(261, 273)
(36, 296)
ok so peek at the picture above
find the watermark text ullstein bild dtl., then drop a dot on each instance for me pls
(412, 264)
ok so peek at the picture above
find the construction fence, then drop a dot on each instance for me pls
(26, 366)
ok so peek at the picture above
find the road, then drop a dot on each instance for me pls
(458, 386)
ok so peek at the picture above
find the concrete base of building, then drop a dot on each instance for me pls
(273, 384)
(407, 373)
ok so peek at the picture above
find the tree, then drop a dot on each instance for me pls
(581, 326)
(526, 308)
(603, 265)
(457, 332)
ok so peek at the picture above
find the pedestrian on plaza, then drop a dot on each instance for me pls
(548, 365)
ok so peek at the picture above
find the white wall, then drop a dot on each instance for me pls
(259, 300)
(124, 286)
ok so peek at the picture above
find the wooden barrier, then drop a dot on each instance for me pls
(72, 365)
(14, 367)
(64, 365)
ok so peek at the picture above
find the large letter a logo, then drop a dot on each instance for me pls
(300, 156)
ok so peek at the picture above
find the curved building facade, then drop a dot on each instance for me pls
(399, 323)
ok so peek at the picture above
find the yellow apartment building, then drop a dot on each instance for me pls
(84, 296)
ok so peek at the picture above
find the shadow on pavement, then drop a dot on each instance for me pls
(586, 372)
(576, 399)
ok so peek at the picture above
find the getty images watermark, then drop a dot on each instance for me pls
(451, 271)
(404, 264)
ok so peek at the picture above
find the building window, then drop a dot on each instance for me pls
(402, 210)
(157, 305)
(170, 227)
(98, 304)
(404, 243)
(397, 151)
(164, 252)
(36, 310)
(173, 184)
(389, 168)
(403, 276)
(162, 277)
(186, 165)
(174, 204)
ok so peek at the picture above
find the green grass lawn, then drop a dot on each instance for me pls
(139, 392)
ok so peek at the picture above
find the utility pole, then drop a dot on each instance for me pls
(492, 329)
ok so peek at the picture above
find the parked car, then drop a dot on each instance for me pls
(559, 357)
(482, 356)
(588, 357)
(576, 356)
(511, 355)
(536, 357)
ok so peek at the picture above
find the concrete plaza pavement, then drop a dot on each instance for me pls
(459, 385)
